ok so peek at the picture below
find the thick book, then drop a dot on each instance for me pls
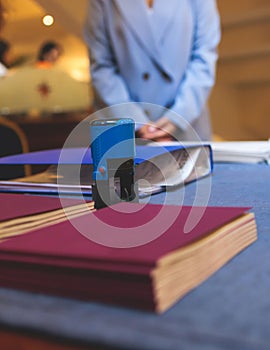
(140, 256)
(70, 170)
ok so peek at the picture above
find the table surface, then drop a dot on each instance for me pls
(231, 310)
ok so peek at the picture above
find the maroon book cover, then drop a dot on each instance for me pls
(116, 237)
(20, 205)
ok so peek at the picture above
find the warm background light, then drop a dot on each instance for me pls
(48, 20)
(26, 31)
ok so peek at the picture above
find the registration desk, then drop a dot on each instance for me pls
(231, 310)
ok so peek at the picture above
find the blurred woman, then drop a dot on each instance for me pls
(149, 53)
(4, 57)
(48, 54)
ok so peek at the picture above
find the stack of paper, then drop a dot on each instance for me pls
(145, 256)
(242, 151)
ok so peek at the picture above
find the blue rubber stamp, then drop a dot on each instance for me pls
(113, 152)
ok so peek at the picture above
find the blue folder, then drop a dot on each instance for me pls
(83, 155)
(159, 167)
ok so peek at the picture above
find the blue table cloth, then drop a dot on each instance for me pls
(231, 310)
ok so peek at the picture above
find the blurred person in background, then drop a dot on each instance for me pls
(49, 53)
(158, 52)
(4, 57)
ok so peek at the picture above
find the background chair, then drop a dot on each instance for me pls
(12, 141)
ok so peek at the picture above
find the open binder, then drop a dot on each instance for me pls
(69, 170)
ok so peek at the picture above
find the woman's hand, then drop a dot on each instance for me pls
(162, 130)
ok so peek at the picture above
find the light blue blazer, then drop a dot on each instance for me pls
(165, 57)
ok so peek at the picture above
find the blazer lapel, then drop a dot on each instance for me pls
(164, 13)
(135, 15)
